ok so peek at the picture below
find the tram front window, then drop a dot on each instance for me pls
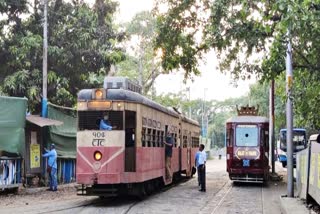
(90, 120)
(247, 135)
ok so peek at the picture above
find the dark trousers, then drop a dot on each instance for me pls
(202, 176)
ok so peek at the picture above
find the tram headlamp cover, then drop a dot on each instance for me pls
(97, 155)
(98, 94)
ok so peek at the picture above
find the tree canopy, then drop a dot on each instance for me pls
(249, 38)
(82, 43)
(141, 62)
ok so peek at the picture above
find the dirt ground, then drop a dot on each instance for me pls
(221, 197)
(32, 196)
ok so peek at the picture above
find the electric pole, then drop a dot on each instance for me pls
(45, 61)
(271, 125)
(289, 82)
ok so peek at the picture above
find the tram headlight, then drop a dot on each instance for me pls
(98, 94)
(97, 155)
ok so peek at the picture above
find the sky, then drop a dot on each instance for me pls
(210, 85)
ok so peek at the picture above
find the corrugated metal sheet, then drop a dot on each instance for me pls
(302, 173)
(41, 121)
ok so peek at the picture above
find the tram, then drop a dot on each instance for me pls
(129, 159)
(247, 142)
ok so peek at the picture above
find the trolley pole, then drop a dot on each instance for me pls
(289, 82)
(188, 89)
(44, 111)
(271, 125)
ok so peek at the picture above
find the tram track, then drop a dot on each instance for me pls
(223, 198)
(83, 204)
(162, 190)
(71, 205)
(216, 200)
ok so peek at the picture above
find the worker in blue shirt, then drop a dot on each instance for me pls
(197, 164)
(202, 158)
(52, 167)
(105, 124)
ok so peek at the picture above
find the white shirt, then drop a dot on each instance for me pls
(202, 158)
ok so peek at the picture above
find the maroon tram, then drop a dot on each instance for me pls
(130, 158)
(247, 142)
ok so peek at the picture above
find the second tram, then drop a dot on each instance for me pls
(247, 142)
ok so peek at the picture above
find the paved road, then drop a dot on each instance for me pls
(222, 196)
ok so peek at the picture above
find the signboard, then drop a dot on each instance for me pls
(34, 151)
(100, 138)
(247, 153)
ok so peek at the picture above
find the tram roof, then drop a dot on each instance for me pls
(130, 96)
(248, 119)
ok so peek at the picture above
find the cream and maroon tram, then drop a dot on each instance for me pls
(130, 158)
(247, 142)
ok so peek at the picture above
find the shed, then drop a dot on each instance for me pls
(34, 148)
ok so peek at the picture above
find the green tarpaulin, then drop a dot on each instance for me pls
(12, 123)
(63, 136)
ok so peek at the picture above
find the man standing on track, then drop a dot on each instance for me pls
(202, 158)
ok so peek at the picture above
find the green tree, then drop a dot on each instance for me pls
(141, 62)
(249, 38)
(83, 43)
(237, 31)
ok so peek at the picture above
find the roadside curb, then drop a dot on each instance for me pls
(292, 206)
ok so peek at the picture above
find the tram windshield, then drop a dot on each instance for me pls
(247, 135)
(90, 120)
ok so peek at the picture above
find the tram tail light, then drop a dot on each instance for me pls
(97, 155)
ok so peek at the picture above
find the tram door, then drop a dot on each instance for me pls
(189, 165)
(130, 144)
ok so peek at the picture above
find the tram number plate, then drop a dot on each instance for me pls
(245, 163)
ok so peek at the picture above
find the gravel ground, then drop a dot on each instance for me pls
(34, 196)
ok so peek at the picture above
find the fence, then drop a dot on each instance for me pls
(308, 171)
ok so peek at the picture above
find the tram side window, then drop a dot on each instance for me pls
(265, 138)
(174, 136)
(161, 138)
(195, 142)
(149, 138)
(154, 138)
(143, 136)
(90, 120)
(230, 137)
(158, 139)
(185, 141)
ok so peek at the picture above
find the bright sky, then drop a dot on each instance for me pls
(210, 85)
